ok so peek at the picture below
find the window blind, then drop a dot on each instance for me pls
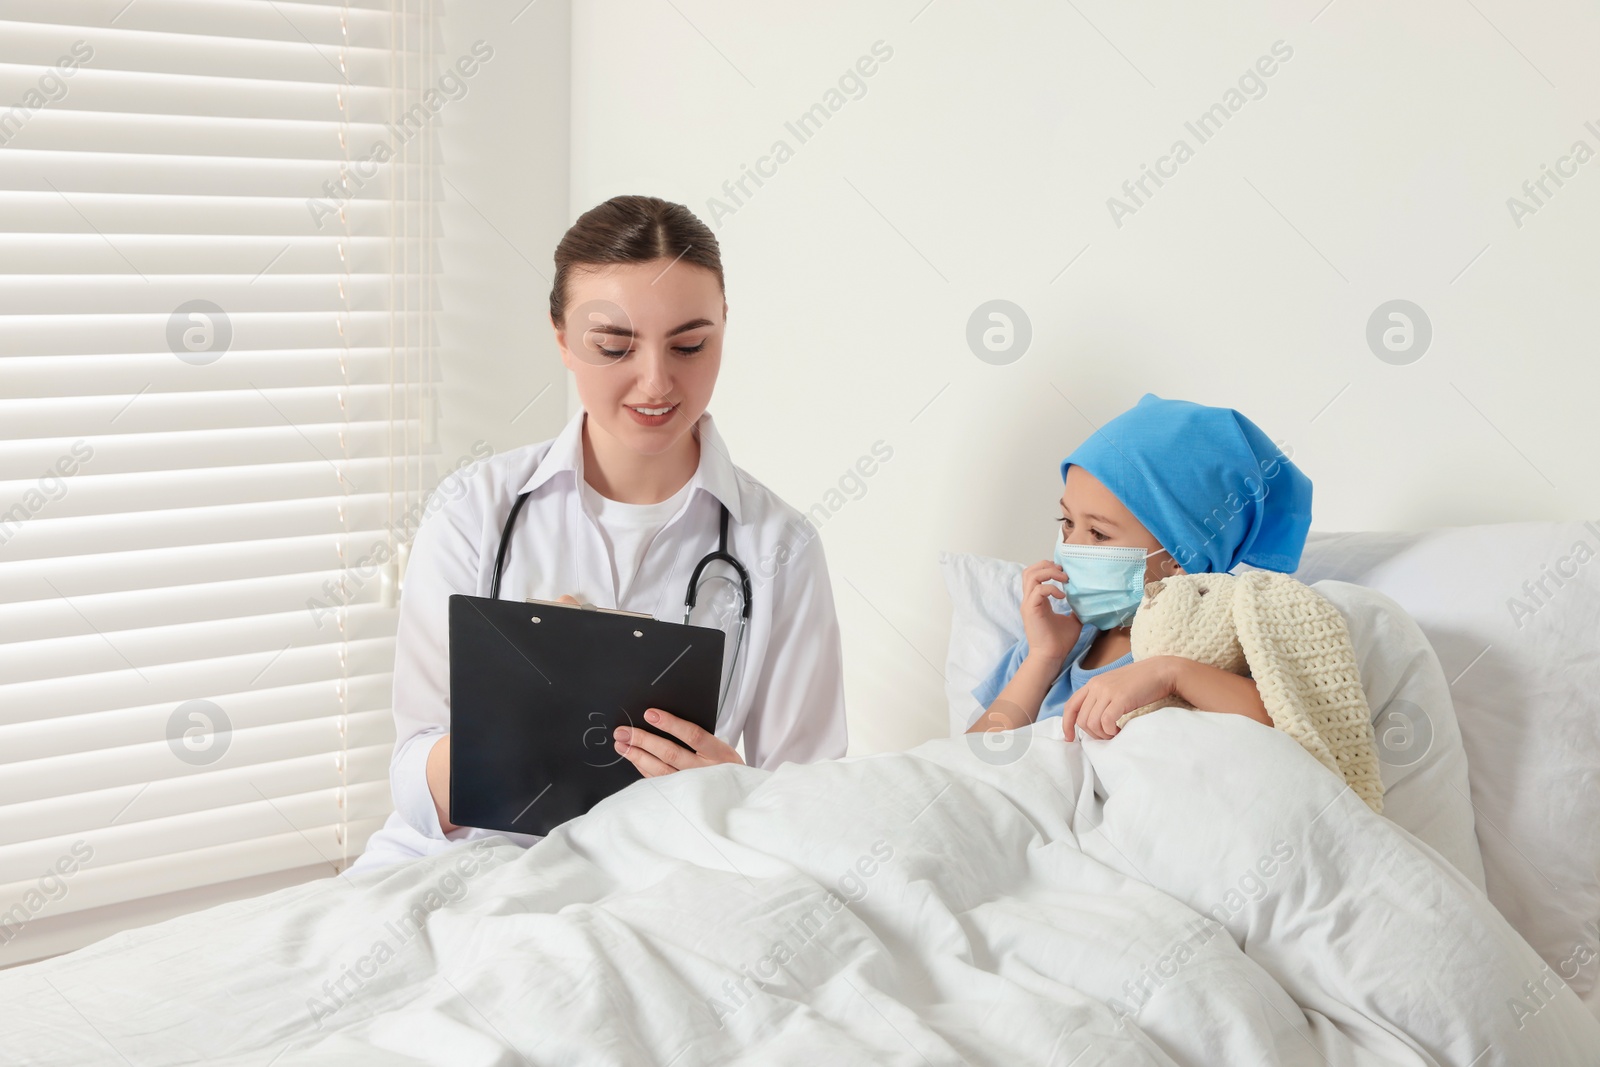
(216, 388)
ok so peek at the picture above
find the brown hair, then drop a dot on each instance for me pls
(632, 229)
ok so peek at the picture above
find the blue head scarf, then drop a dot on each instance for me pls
(1206, 482)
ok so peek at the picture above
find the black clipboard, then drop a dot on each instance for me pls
(536, 690)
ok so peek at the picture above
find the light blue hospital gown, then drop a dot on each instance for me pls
(1071, 678)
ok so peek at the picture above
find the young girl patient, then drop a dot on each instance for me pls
(1167, 487)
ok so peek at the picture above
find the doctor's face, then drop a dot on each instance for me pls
(644, 343)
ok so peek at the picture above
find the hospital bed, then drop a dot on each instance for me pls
(1197, 890)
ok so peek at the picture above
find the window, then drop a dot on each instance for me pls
(216, 356)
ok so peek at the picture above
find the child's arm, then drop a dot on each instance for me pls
(1051, 638)
(1213, 689)
(1018, 703)
(1105, 698)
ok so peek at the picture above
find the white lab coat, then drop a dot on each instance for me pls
(787, 695)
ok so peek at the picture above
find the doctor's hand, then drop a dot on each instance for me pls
(1105, 698)
(656, 756)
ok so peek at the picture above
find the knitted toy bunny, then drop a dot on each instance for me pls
(1292, 642)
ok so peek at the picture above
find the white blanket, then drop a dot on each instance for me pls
(1039, 905)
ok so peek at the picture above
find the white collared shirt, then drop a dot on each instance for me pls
(787, 691)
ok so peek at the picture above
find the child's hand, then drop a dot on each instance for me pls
(1105, 698)
(1050, 635)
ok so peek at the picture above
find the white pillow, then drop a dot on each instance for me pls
(1421, 760)
(1420, 757)
(1513, 611)
(987, 597)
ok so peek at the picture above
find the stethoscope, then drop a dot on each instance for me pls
(720, 555)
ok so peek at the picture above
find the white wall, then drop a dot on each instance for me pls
(504, 148)
(978, 165)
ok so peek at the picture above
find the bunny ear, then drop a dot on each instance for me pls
(1298, 649)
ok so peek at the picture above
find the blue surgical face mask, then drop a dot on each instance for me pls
(1105, 583)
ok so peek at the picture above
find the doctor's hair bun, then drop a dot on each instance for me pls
(632, 229)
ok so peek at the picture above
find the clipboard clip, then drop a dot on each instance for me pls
(589, 607)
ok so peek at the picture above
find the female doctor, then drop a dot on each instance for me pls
(620, 508)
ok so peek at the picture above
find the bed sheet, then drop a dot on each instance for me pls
(1197, 890)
